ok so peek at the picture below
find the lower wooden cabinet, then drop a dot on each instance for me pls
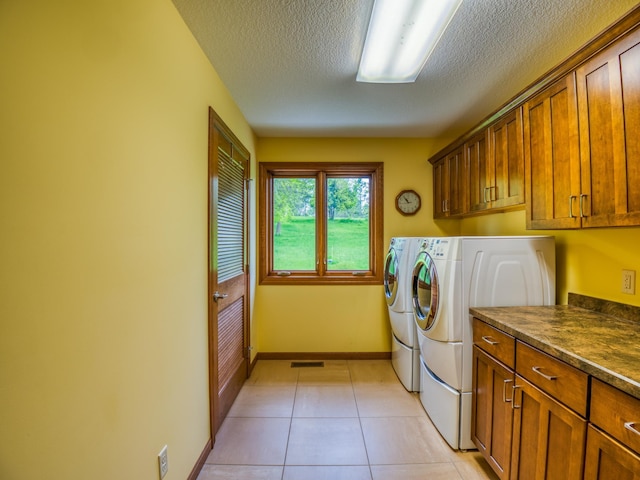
(613, 441)
(548, 438)
(492, 423)
(621, 422)
(536, 417)
(606, 459)
(522, 432)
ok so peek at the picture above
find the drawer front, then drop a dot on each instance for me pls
(496, 343)
(617, 413)
(560, 380)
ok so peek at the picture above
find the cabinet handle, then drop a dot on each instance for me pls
(490, 340)
(548, 377)
(582, 197)
(514, 405)
(492, 197)
(571, 198)
(632, 427)
(504, 391)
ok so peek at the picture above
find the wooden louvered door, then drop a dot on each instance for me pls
(228, 269)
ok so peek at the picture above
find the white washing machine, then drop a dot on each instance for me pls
(451, 275)
(405, 351)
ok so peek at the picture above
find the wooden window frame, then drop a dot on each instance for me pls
(321, 276)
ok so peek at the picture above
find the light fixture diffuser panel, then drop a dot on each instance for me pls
(401, 36)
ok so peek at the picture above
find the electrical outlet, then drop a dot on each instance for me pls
(163, 462)
(629, 282)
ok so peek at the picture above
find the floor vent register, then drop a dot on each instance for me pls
(307, 364)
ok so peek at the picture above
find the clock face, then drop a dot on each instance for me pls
(408, 202)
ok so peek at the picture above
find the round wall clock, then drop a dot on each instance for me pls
(408, 202)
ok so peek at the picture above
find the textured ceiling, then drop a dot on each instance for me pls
(291, 64)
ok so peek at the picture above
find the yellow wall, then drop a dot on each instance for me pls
(344, 318)
(588, 261)
(103, 238)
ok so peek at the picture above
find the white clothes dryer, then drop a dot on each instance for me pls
(405, 351)
(451, 275)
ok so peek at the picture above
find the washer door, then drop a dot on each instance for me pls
(391, 276)
(424, 291)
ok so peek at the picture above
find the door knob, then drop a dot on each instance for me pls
(217, 296)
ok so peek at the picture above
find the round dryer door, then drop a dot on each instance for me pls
(424, 289)
(391, 276)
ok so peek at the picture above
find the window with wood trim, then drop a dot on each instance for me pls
(320, 223)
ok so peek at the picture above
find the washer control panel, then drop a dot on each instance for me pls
(398, 244)
(436, 247)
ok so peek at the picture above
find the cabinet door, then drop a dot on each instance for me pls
(552, 157)
(492, 417)
(475, 152)
(506, 161)
(548, 438)
(440, 188)
(449, 185)
(606, 459)
(457, 183)
(608, 89)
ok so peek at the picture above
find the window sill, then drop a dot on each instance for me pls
(313, 280)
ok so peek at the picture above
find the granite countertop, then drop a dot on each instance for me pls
(602, 345)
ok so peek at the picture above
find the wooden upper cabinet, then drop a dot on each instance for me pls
(505, 186)
(440, 188)
(552, 157)
(581, 147)
(457, 183)
(569, 150)
(608, 92)
(450, 185)
(486, 172)
(475, 152)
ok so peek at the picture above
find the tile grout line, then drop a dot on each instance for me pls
(364, 442)
(293, 407)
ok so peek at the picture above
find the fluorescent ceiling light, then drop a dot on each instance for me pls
(401, 36)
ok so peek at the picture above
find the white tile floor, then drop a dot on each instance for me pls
(348, 420)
